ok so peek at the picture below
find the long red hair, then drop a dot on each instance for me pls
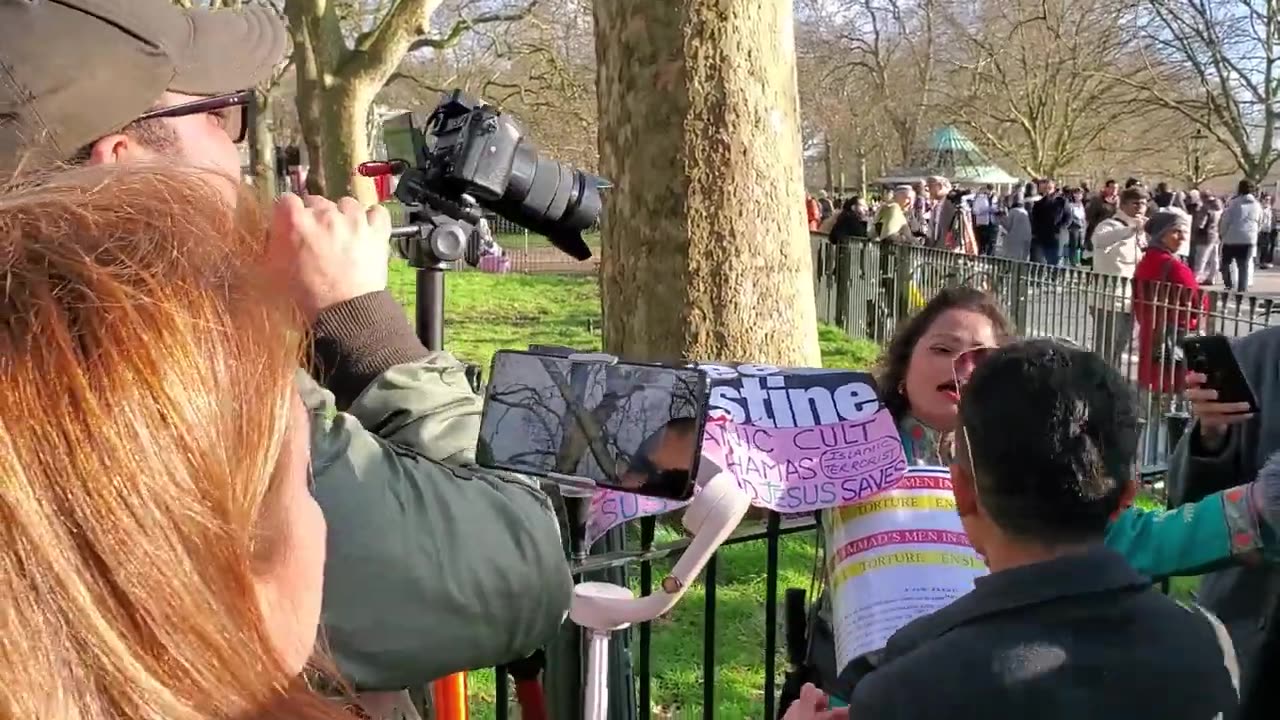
(146, 369)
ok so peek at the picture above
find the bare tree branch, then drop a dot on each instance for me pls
(464, 24)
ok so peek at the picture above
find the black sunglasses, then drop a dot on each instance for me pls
(232, 108)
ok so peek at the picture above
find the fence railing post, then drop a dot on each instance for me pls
(773, 544)
(844, 282)
(644, 678)
(709, 640)
(897, 282)
(1019, 304)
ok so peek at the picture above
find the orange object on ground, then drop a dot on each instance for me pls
(449, 697)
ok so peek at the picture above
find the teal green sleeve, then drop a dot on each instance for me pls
(1195, 538)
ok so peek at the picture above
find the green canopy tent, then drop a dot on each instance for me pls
(950, 154)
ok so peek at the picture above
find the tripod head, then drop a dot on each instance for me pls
(440, 231)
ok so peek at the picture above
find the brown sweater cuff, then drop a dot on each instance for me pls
(357, 340)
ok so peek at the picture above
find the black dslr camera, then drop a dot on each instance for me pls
(467, 156)
(464, 158)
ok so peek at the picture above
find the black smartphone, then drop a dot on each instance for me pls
(624, 426)
(1212, 356)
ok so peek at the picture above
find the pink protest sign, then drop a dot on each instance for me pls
(798, 440)
(795, 470)
(610, 508)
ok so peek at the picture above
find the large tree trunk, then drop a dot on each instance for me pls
(334, 121)
(705, 251)
(342, 142)
(338, 83)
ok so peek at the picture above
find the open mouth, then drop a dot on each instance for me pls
(950, 390)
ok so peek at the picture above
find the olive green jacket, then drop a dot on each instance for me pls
(434, 565)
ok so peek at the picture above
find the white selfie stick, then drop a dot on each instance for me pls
(601, 608)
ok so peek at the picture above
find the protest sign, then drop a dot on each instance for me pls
(797, 439)
(896, 557)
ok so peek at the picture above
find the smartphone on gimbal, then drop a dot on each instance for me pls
(625, 426)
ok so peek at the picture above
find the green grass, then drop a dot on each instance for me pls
(486, 312)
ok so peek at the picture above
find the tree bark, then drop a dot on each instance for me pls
(338, 80)
(262, 150)
(342, 142)
(337, 83)
(706, 252)
(828, 163)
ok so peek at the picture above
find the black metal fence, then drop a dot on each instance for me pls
(631, 657)
(867, 288)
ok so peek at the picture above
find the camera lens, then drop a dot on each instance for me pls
(551, 198)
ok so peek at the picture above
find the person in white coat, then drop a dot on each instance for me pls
(1118, 242)
(1238, 231)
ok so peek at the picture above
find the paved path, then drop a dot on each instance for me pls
(1265, 283)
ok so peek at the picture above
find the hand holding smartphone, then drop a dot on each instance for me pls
(1217, 388)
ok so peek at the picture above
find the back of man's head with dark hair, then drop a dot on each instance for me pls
(1245, 187)
(684, 424)
(1051, 432)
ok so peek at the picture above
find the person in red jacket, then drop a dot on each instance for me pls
(1167, 300)
(813, 211)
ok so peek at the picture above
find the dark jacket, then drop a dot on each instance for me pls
(433, 564)
(1247, 599)
(1204, 221)
(850, 223)
(1049, 217)
(1082, 636)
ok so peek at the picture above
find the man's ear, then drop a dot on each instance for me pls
(112, 149)
(962, 487)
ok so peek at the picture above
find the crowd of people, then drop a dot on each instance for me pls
(1158, 249)
(1043, 223)
(234, 484)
